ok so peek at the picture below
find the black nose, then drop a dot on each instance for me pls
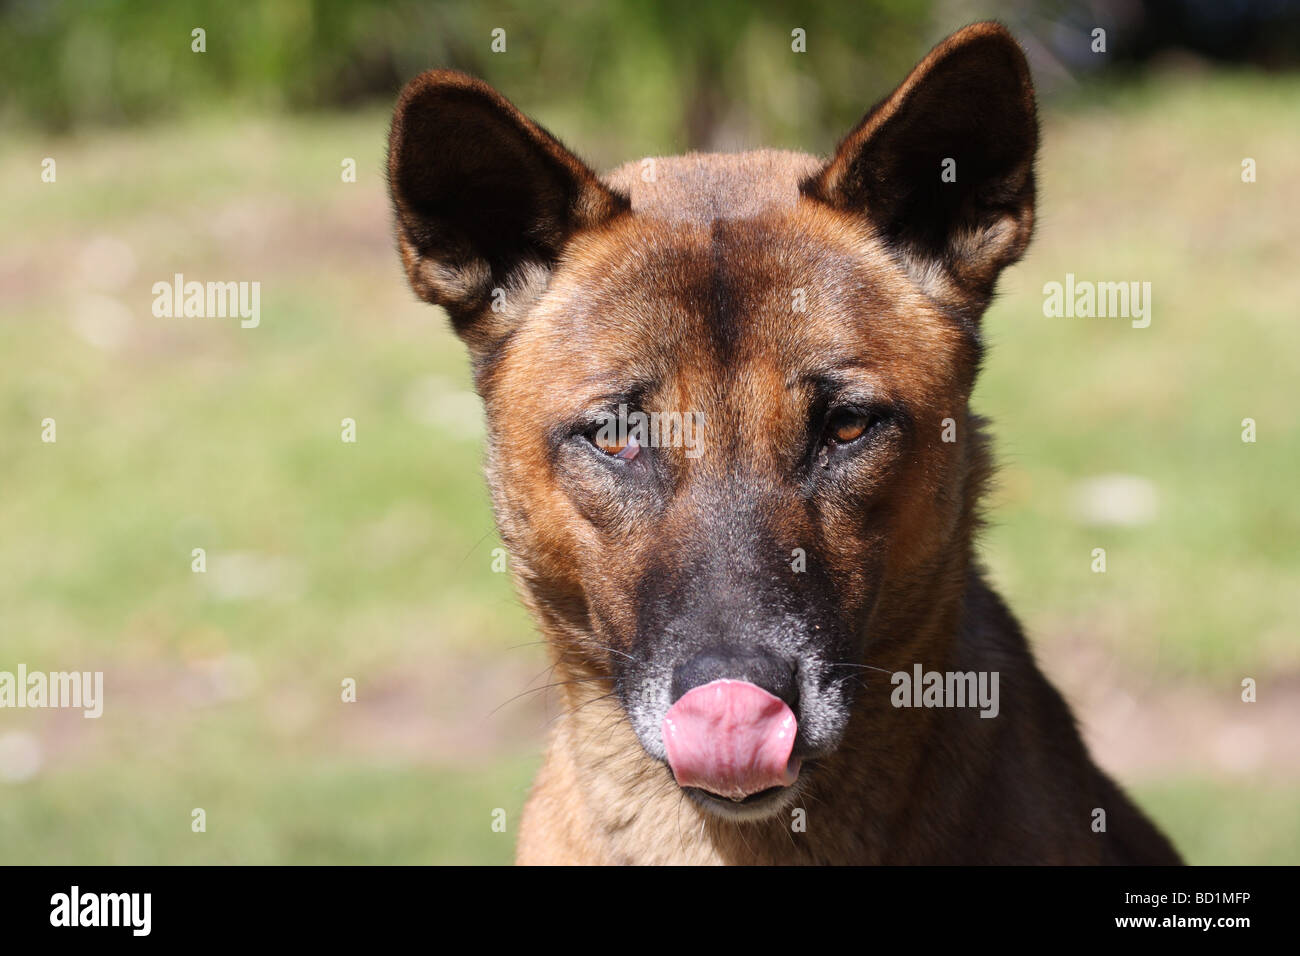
(760, 668)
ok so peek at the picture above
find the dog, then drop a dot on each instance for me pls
(733, 631)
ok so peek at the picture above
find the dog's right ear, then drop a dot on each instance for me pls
(480, 194)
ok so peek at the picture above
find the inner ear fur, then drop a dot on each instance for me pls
(480, 194)
(971, 100)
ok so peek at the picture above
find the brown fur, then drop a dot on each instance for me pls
(676, 293)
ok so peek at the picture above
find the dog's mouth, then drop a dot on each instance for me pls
(756, 806)
(729, 744)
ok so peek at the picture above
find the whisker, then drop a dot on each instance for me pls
(867, 667)
(538, 690)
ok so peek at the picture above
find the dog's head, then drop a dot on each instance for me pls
(729, 444)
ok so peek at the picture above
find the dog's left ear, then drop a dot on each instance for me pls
(944, 166)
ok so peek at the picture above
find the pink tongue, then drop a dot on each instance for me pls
(731, 738)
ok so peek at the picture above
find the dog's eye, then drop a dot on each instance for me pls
(608, 440)
(847, 426)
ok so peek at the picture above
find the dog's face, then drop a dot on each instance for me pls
(729, 441)
(759, 553)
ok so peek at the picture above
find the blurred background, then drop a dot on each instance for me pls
(372, 560)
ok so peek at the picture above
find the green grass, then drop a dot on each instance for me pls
(1147, 187)
(310, 813)
(371, 560)
(1225, 824)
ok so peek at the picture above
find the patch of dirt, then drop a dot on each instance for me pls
(1139, 729)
